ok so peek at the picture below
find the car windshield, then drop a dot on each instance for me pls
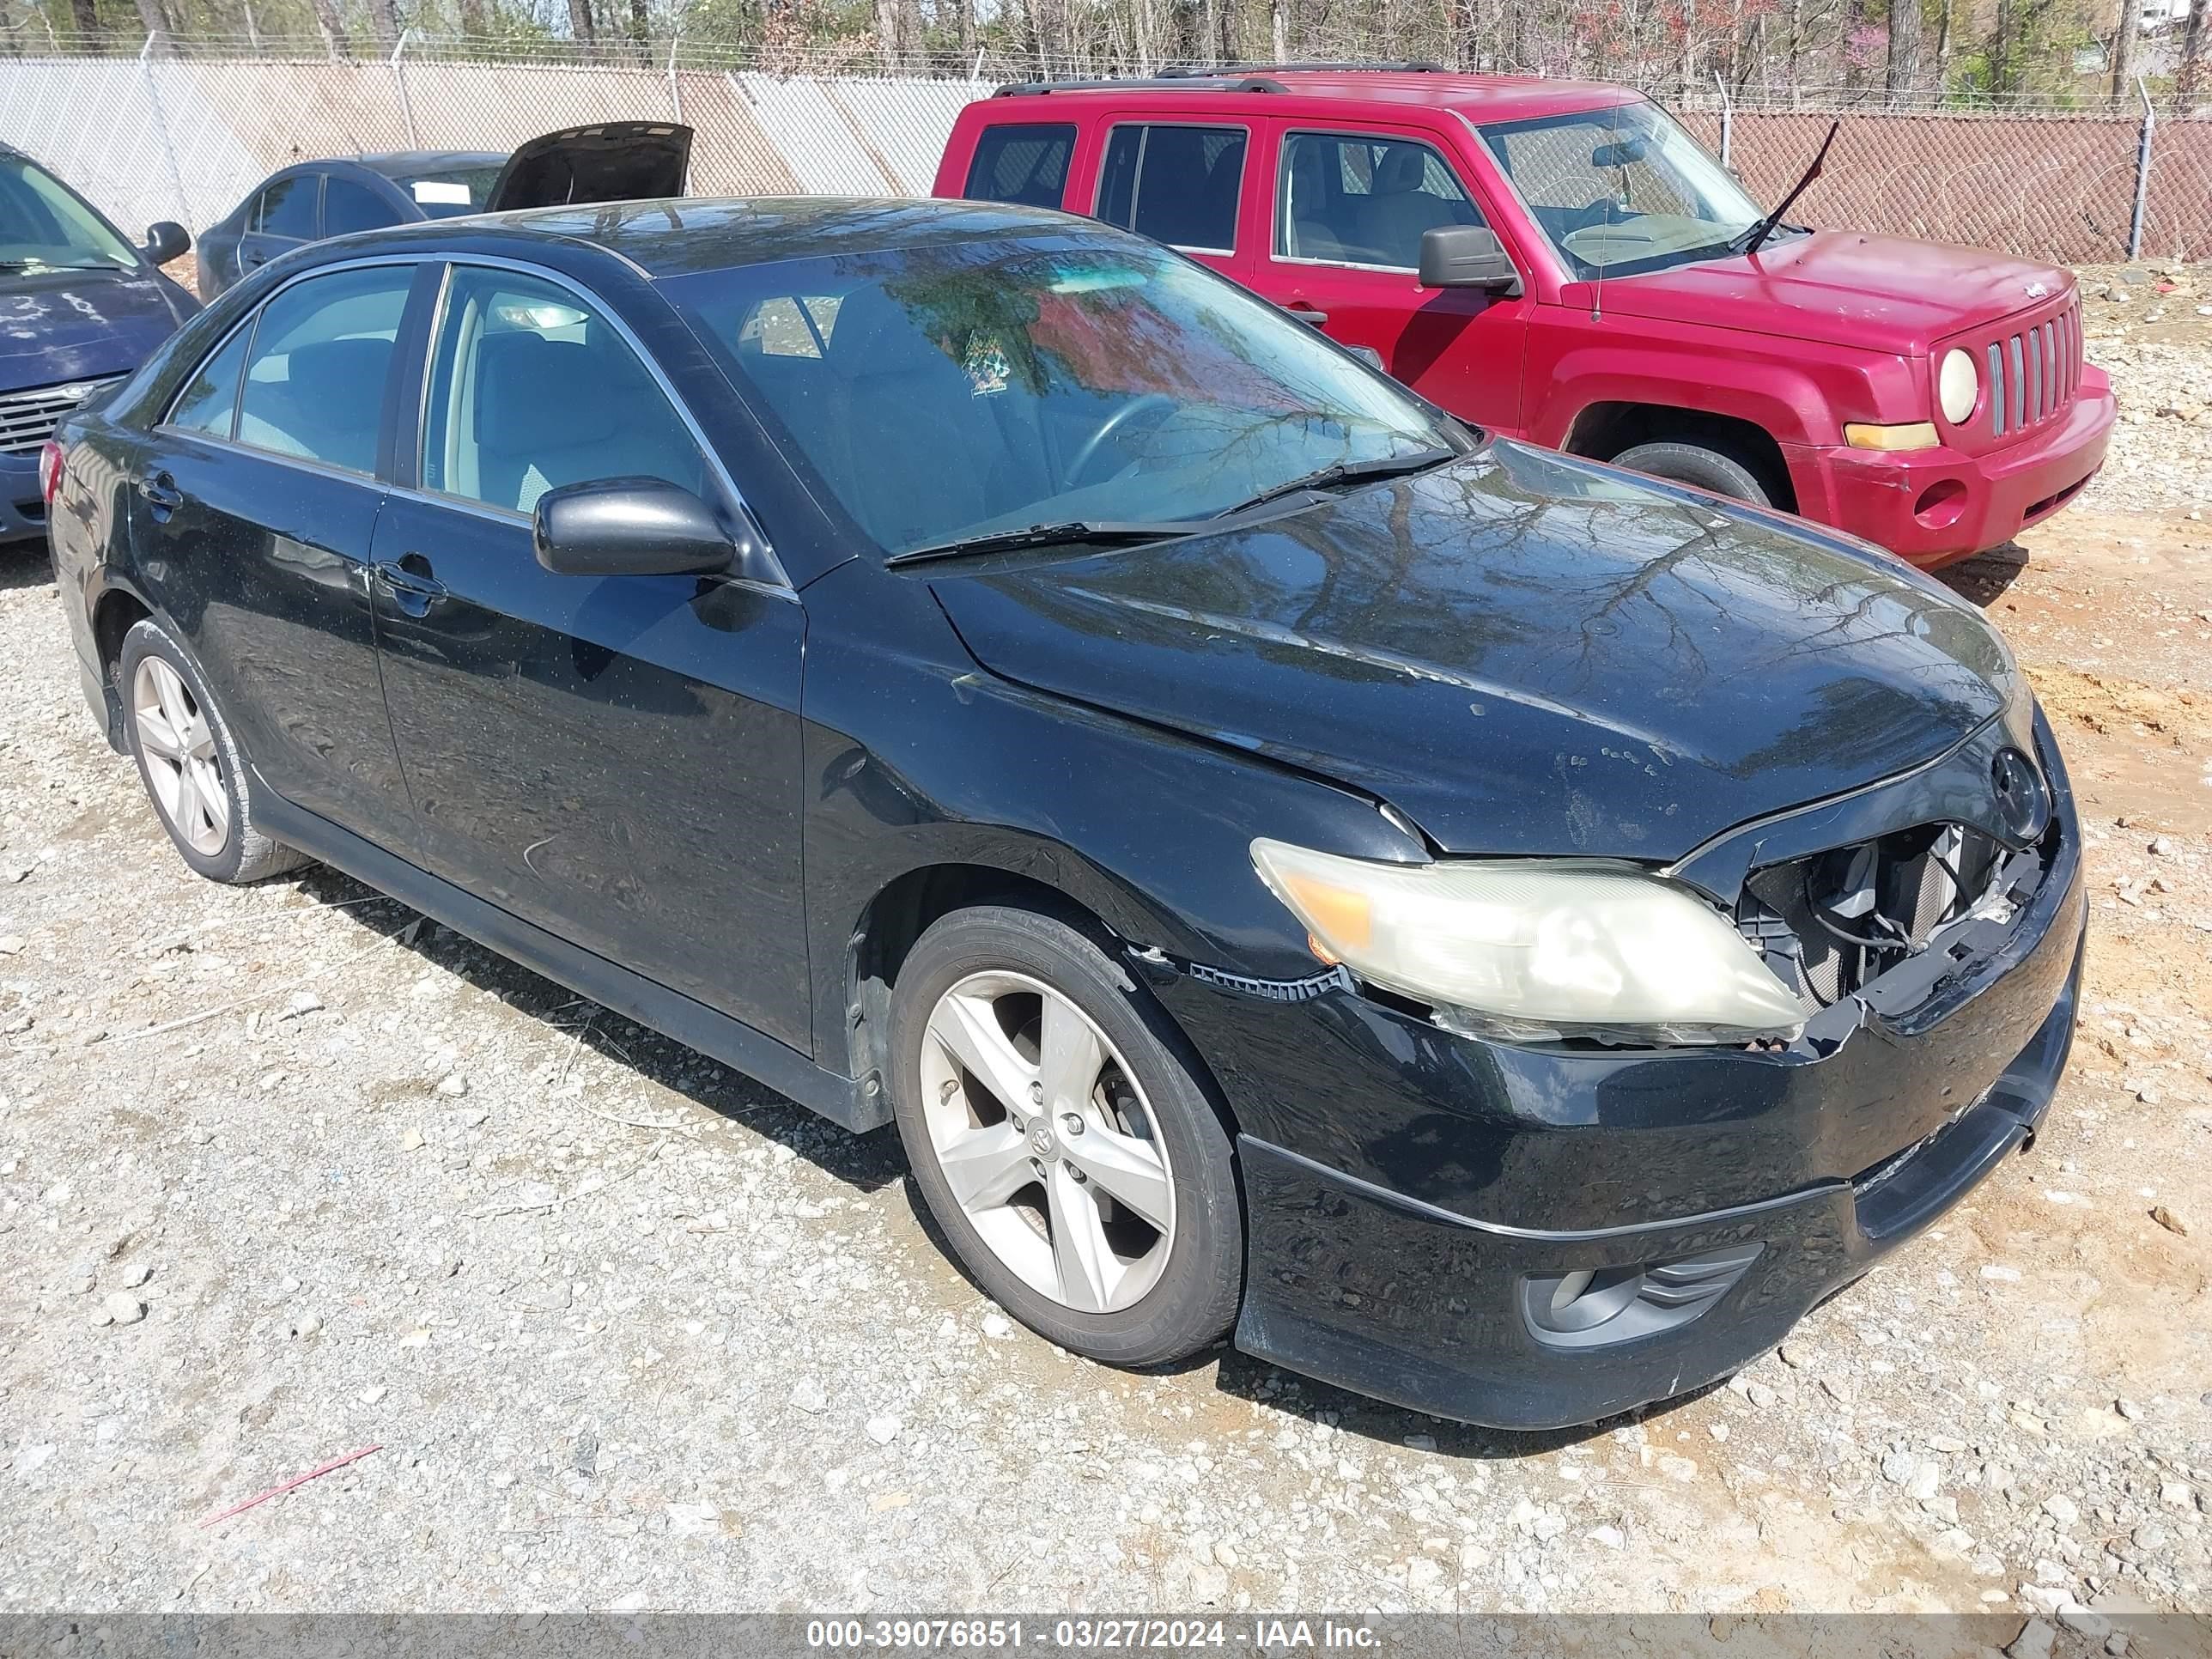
(44, 226)
(958, 390)
(451, 191)
(1622, 189)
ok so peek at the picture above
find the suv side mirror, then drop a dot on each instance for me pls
(1467, 255)
(165, 239)
(638, 527)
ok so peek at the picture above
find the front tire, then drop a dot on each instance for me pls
(1072, 1157)
(190, 763)
(1702, 465)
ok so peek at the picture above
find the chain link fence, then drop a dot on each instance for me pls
(186, 135)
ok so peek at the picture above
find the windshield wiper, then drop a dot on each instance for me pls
(1749, 241)
(1346, 472)
(1073, 533)
(48, 264)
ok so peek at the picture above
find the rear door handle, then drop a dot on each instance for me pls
(160, 492)
(1306, 313)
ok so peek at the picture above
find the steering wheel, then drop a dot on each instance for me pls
(1112, 424)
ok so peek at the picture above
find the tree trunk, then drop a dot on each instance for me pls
(1278, 25)
(964, 17)
(640, 29)
(334, 34)
(2193, 56)
(150, 19)
(384, 18)
(84, 17)
(472, 20)
(1228, 43)
(887, 34)
(1943, 47)
(1905, 28)
(2127, 26)
(910, 38)
(580, 26)
(2000, 49)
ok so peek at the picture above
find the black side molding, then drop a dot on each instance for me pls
(696, 1025)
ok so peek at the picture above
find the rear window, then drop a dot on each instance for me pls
(1177, 184)
(1025, 164)
(450, 193)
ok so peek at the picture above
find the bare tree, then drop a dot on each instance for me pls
(2193, 56)
(473, 19)
(2126, 27)
(580, 26)
(151, 20)
(1905, 25)
(333, 29)
(384, 19)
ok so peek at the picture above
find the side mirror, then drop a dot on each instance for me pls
(637, 527)
(165, 239)
(1467, 255)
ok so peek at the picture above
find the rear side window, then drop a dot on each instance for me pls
(1177, 184)
(287, 208)
(210, 397)
(1025, 164)
(322, 352)
(347, 207)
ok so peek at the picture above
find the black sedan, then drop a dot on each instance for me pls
(1491, 931)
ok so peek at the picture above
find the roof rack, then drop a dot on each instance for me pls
(1403, 66)
(1192, 81)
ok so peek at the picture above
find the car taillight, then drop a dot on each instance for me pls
(50, 472)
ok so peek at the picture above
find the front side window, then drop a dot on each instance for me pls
(953, 390)
(1176, 185)
(1622, 189)
(531, 389)
(322, 352)
(209, 399)
(1352, 199)
(44, 228)
(1024, 163)
(287, 208)
(349, 207)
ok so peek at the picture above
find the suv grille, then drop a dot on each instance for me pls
(27, 419)
(1830, 923)
(2032, 373)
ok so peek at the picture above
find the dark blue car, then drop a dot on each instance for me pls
(80, 308)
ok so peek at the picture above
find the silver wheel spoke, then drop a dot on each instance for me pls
(986, 1166)
(1128, 1168)
(157, 737)
(970, 1030)
(184, 766)
(1069, 1055)
(1088, 1269)
(213, 801)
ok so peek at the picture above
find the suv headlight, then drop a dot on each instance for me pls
(1536, 949)
(1958, 384)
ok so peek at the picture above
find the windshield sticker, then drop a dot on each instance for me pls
(439, 192)
(988, 365)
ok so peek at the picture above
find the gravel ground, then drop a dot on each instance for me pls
(286, 1172)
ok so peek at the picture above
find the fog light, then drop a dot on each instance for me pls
(1591, 1306)
(1941, 505)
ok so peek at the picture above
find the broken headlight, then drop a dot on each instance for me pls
(1535, 949)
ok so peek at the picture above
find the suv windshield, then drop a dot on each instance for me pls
(1623, 188)
(44, 226)
(948, 391)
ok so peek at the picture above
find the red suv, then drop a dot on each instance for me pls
(1561, 262)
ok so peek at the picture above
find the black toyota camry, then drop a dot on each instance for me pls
(1484, 928)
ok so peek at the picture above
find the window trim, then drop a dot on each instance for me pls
(1136, 184)
(1074, 132)
(166, 422)
(1281, 220)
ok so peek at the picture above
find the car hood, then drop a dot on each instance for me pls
(78, 325)
(1525, 653)
(1841, 288)
(611, 161)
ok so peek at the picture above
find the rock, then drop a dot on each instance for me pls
(11, 944)
(1898, 1467)
(1948, 1445)
(2084, 1622)
(2162, 846)
(1612, 1537)
(2116, 1644)
(122, 1308)
(2128, 1409)
(997, 1325)
(2033, 1642)
(808, 1397)
(2151, 1537)
(134, 1277)
(453, 1083)
(2062, 1509)
(2118, 296)
(2170, 1219)
(303, 1003)
(304, 1324)
(883, 1430)
(2045, 1598)
(2178, 1495)
(1422, 1573)
(374, 1396)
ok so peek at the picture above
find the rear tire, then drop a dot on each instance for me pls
(194, 773)
(1700, 466)
(1026, 1062)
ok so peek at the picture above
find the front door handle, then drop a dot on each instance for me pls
(161, 493)
(1306, 313)
(409, 582)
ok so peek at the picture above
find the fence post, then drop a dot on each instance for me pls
(161, 132)
(399, 75)
(2143, 172)
(1727, 124)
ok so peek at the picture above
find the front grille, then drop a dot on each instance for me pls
(1828, 924)
(2032, 372)
(27, 419)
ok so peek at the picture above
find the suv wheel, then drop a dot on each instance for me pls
(190, 763)
(1697, 465)
(1074, 1161)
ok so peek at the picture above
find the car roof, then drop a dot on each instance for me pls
(1477, 97)
(684, 235)
(410, 163)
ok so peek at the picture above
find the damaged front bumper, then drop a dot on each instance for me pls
(1535, 1236)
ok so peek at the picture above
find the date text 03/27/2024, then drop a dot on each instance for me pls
(1090, 1635)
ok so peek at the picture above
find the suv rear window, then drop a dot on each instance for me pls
(1174, 183)
(1025, 164)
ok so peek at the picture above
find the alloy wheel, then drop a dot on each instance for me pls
(1047, 1142)
(183, 764)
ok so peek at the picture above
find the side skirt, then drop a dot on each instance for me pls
(696, 1025)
